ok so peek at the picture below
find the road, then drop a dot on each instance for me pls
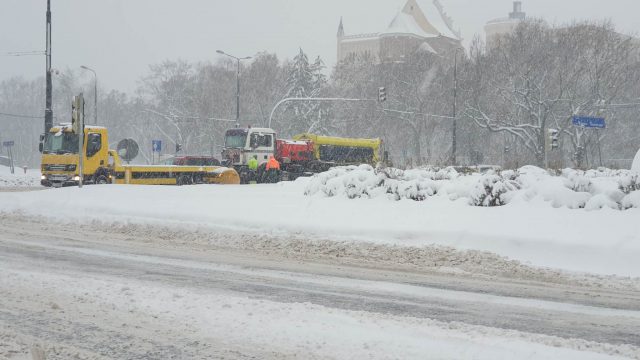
(95, 293)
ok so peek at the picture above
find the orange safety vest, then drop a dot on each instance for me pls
(273, 164)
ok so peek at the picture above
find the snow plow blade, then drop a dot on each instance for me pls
(224, 176)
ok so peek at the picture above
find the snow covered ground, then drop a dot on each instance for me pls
(286, 330)
(544, 222)
(19, 179)
(94, 294)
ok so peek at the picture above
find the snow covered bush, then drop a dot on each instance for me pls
(490, 189)
(416, 184)
(573, 189)
(632, 200)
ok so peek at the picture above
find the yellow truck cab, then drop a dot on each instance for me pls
(59, 149)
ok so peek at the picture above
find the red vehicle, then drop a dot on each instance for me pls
(297, 158)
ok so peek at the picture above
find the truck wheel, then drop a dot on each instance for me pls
(101, 180)
(183, 180)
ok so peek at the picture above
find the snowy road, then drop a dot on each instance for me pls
(100, 295)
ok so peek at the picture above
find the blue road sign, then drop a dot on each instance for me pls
(8, 143)
(589, 122)
(156, 145)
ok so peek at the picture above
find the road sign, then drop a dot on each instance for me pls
(8, 143)
(156, 145)
(127, 149)
(589, 122)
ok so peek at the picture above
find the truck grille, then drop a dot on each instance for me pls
(58, 167)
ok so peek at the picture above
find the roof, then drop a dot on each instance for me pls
(434, 13)
(261, 130)
(405, 23)
(425, 47)
(504, 20)
(421, 18)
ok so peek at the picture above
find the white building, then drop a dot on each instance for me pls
(503, 26)
(421, 25)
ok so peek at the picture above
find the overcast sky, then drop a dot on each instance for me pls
(120, 38)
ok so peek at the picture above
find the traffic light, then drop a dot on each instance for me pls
(178, 147)
(382, 94)
(553, 139)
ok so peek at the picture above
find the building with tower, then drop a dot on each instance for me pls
(503, 26)
(420, 26)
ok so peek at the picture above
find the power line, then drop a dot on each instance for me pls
(25, 53)
(22, 116)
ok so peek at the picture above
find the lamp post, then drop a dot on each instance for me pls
(95, 94)
(48, 110)
(237, 80)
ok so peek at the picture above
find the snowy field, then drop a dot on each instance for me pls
(19, 179)
(581, 222)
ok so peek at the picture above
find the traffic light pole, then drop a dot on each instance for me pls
(547, 143)
(78, 116)
(313, 99)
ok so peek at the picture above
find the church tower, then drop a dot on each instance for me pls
(340, 37)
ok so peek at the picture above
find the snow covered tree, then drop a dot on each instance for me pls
(305, 80)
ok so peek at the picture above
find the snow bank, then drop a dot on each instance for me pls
(636, 163)
(574, 189)
(19, 178)
(604, 242)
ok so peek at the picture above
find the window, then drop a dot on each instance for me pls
(260, 140)
(61, 143)
(94, 144)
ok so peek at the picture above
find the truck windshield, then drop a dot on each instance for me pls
(61, 143)
(235, 139)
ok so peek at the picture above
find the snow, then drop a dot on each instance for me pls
(293, 328)
(436, 18)
(19, 179)
(545, 220)
(574, 189)
(404, 23)
(636, 163)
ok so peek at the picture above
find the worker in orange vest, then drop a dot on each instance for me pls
(273, 170)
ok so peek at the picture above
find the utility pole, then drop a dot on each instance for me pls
(48, 111)
(455, 104)
(238, 92)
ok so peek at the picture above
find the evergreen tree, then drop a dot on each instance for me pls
(305, 81)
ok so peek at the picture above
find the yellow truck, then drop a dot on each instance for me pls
(59, 148)
(344, 150)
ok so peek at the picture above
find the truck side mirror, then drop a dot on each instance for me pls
(40, 147)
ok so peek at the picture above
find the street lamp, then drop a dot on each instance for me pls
(95, 94)
(237, 80)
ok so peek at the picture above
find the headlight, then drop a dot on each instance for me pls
(43, 177)
(76, 178)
